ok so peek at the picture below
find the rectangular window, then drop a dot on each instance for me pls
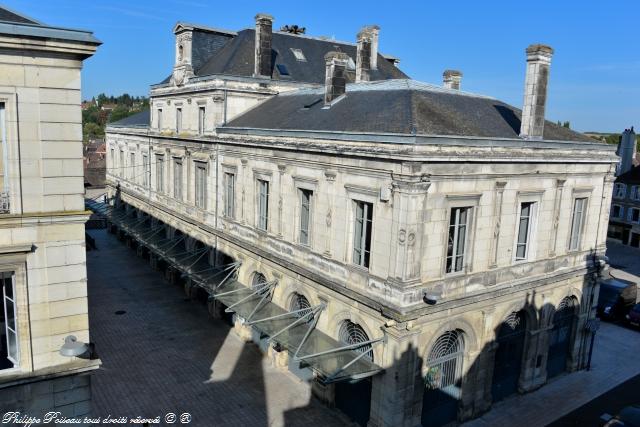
(524, 230)
(121, 163)
(4, 163)
(457, 242)
(263, 205)
(229, 194)
(619, 191)
(160, 174)
(146, 170)
(160, 118)
(177, 179)
(617, 212)
(178, 120)
(132, 166)
(305, 215)
(113, 158)
(10, 355)
(362, 233)
(201, 185)
(635, 193)
(633, 215)
(579, 210)
(201, 116)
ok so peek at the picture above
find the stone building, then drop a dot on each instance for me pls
(42, 214)
(624, 222)
(415, 251)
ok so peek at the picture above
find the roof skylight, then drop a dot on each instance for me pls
(299, 55)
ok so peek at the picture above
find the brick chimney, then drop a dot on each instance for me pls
(335, 78)
(535, 91)
(363, 55)
(451, 79)
(264, 31)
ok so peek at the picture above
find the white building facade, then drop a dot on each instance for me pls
(460, 257)
(42, 216)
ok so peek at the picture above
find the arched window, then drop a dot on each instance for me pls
(259, 279)
(443, 380)
(445, 362)
(352, 333)
(299, 302)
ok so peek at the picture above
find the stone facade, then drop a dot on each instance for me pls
(442, 320)
(42, 244)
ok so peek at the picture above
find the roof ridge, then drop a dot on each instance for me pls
(21, 15)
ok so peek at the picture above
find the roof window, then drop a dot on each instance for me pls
(282, 69)
(299, 55)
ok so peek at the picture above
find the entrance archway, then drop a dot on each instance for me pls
(443, 380)
(560, 337)
(508, 359)
(354, 399)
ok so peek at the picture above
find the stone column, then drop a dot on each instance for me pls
(409, 207)
(556, 216)
(497, 215)
(396, 395)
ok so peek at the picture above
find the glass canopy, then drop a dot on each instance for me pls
(294, 331)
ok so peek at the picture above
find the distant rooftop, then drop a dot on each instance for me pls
(140, 119)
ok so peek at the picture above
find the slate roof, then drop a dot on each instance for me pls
(630, 177)
(237, 58)
(8, 15)
(17, 24)
(395, 106)
(141, 119)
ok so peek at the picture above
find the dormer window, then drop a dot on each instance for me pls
(299, 55)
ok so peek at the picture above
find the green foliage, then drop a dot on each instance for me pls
(109, 109)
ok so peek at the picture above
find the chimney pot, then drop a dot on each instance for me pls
(335, 80)
(451, 79)
(535, 91)
(264, 31)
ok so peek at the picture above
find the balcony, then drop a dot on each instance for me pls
(4, 202)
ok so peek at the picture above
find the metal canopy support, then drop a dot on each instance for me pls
(263, 289)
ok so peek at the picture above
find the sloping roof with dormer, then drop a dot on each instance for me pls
(396, 107)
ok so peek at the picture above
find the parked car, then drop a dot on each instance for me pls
(616, 298)
(634, 316)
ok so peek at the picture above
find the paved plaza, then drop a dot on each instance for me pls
(166, 354)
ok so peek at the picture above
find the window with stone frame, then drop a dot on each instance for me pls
(160, 173)
(617, 211)
(201, 120)
(633, 215)
(9, 346)
(577, 222)
(363, 227)
(263, 205)
(159, 115)
(457, 240)
(525, 225)
(178, 120)
(229, 194)
(132, 166)
(635, 193)
(619, 191)
(177, 179)
(306, 197)
(145, 170)
(121, 163)
(201, 184)
(4, 162)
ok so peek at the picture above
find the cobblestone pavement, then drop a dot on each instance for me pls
(165, 354)
(614, 361)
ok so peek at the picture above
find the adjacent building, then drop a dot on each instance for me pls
(624, 223)
(42, 214)
(415, 251)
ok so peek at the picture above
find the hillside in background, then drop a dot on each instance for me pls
(105, 109)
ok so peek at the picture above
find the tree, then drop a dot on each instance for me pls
(566, 125)
(92, 130)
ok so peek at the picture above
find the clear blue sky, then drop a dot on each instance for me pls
(595, 73)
